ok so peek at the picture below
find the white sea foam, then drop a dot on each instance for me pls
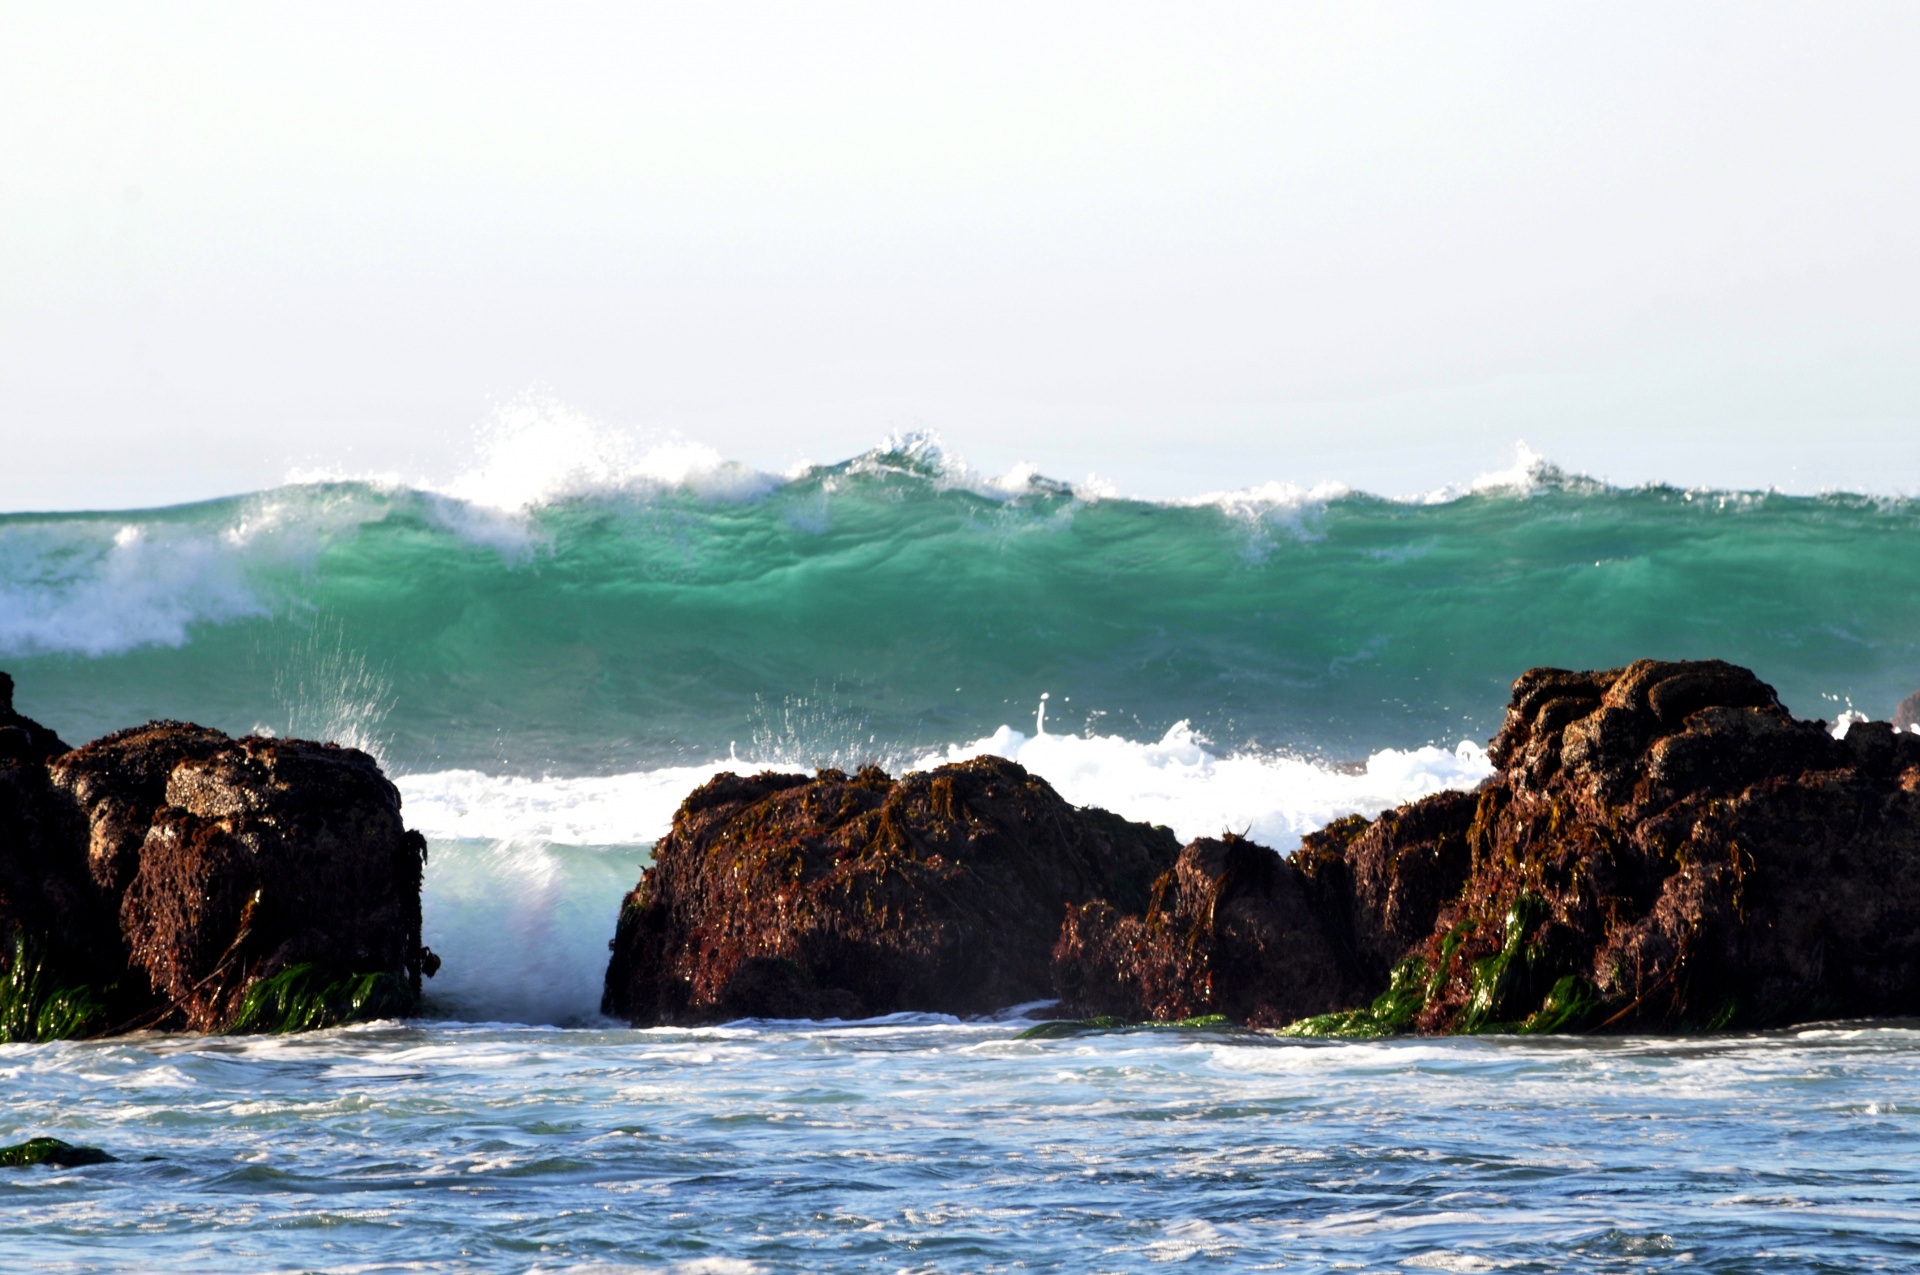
(94, 589)
(538, 865)
(630, 809)
(537, 451)
(1527, 474)
(96, 586)
(1176, 781)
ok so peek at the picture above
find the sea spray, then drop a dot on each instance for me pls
(525, 876)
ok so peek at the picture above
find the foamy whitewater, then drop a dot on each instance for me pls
(550, 648)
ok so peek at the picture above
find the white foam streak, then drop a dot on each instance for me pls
(631, 809)
(1529, 472)
(1178, 782)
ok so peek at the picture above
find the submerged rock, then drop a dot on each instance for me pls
(171, 876)
(51, 1151)
(1663, 848)
(838, 895)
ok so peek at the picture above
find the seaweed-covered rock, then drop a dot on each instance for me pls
(53, 1152)
(1663, 848)
(271, 854)
(838, 895)
(170, 876)
(1668, 847)
(1233, 930)
(60, 949)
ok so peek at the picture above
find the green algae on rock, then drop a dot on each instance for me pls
(51, 1151)
(171, 877)
(1664, 848)
(1058, 1028)
(311, 995)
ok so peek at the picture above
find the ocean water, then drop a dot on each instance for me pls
(551, 649)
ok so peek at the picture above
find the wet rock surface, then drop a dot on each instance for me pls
(51, 1152)
(1664, 848)
(1667, 842)
(1233, 929)
(842, 896)
(170, 876)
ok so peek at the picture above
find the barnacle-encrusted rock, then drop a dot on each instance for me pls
(1667, 842)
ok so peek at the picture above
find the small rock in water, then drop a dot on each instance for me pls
(61, 1155)
(1907, 716)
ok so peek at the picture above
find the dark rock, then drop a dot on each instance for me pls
(170, 876)
(1664, 848)
(22, 738)
(1907, 716)
(52, 1151)
(119, 784)
(1383, 884)
(270, 854)
(1232, 930)
(1669, 837)
(839, 896)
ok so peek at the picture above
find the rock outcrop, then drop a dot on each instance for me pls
(170, 876)
(1233, 930)
(1663, 848)
(1907, 716)
(840, 896)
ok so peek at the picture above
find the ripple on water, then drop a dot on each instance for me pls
(926, 1143)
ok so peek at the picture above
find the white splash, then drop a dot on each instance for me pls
(536, 451)
(1527, 474)
(1178, 782)
(537, 866)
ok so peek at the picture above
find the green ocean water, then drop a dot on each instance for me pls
(548, 667)
(892, 603)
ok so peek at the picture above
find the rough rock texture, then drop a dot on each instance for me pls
(267, 854)
(1663, 848)
(1669, 837)
(155, 877)
(786, 896)
(46, 900)
(1384, 883)
(1233, 929)
(1907, 716)
(118, 782)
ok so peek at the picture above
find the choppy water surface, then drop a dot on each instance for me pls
(928, 1144)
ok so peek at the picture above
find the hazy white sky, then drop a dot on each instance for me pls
(1185, 246)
